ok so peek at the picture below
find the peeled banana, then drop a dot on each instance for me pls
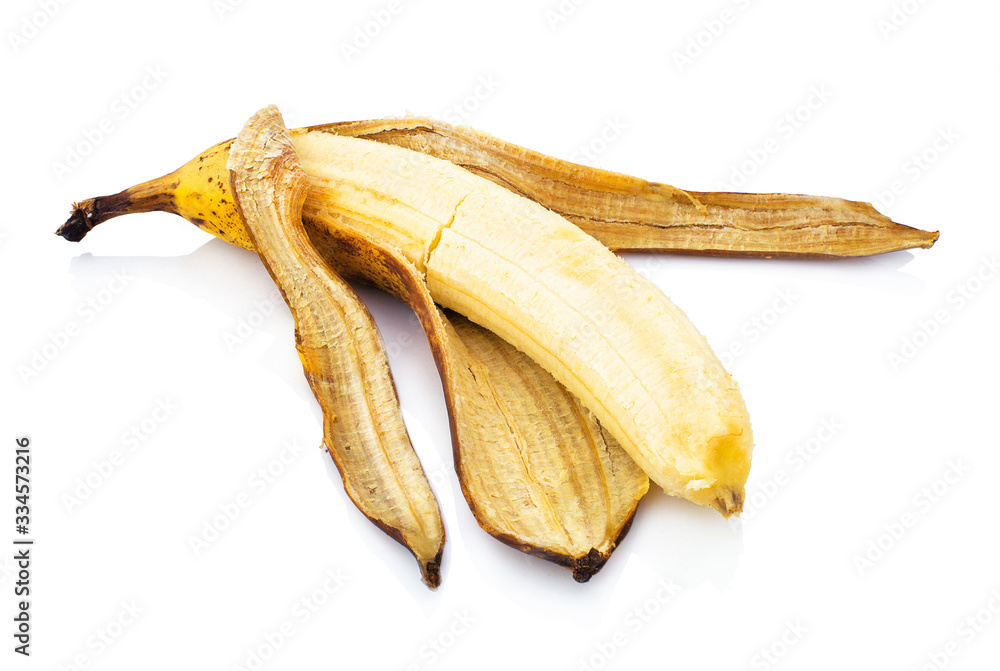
(473, 231)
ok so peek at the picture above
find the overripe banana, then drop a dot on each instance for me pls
(339, 346)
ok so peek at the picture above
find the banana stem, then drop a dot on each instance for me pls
(152, 196)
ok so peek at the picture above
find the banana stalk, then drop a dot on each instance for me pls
(339, 346)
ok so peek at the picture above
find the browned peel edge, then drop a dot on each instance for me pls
(584, 566)
(430, 570)
(778, 255)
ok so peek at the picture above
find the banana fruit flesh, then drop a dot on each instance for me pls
(554, 292)
(536, 468)
(339, 346)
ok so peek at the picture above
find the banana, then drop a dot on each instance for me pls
(339, 346)
(536, 468)
(612, 338)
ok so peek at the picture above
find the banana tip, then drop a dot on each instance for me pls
(586, 566)
(729, 502)
(430, 571)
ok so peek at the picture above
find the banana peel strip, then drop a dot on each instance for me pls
(339, 346)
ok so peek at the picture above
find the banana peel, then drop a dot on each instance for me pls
(631, 214)
(339, 346)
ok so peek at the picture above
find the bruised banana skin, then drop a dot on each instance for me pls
(520, 270)
(627, 213)
(536, 468)
(339, 346)
(577, 478)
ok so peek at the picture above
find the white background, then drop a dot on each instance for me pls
(801, 576)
